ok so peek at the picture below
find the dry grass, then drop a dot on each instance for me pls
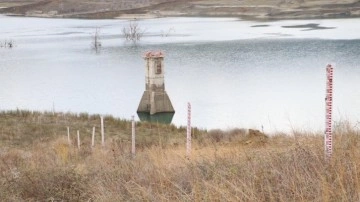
(224, 165)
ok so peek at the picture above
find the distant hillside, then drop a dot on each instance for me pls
(253, 9)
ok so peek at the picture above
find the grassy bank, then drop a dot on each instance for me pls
(38, 164)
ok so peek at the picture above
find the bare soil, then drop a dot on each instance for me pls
(248, 9)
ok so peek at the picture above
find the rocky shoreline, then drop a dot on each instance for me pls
(251, 10)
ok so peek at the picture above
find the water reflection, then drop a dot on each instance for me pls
(165, 117)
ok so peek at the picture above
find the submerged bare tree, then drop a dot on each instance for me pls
(168, 32)
(96, 44)
(133, 32)
(7, 44)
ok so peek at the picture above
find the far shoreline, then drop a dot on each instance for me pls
(256, 10)
(150, 16)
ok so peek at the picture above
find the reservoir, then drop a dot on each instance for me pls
(263, 75)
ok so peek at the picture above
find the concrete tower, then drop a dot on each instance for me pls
(155, 99)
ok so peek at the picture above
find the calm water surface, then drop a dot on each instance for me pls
(235, 73)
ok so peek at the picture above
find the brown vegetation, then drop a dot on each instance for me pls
(37, 164)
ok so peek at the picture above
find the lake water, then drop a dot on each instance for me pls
(235, 73)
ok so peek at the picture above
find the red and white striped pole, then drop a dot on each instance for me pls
(328, 109)
(188, 132)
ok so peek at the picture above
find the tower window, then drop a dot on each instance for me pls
(158, 68)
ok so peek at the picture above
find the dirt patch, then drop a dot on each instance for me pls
(255, 138)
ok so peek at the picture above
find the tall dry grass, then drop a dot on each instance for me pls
(224, 165)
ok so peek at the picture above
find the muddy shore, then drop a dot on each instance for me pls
(246, 9)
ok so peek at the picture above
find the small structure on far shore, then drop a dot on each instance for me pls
(155, 99)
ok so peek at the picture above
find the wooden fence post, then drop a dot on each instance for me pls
(93, 137)
(133, 136)
(78, 139)
(102, 132)
(68, 135)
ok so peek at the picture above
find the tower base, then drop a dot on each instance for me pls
(164, 117)
(155, 102)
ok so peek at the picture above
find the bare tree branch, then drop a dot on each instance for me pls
(96, 44)
(133, 32)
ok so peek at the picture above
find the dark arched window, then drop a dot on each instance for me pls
(158, 67)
